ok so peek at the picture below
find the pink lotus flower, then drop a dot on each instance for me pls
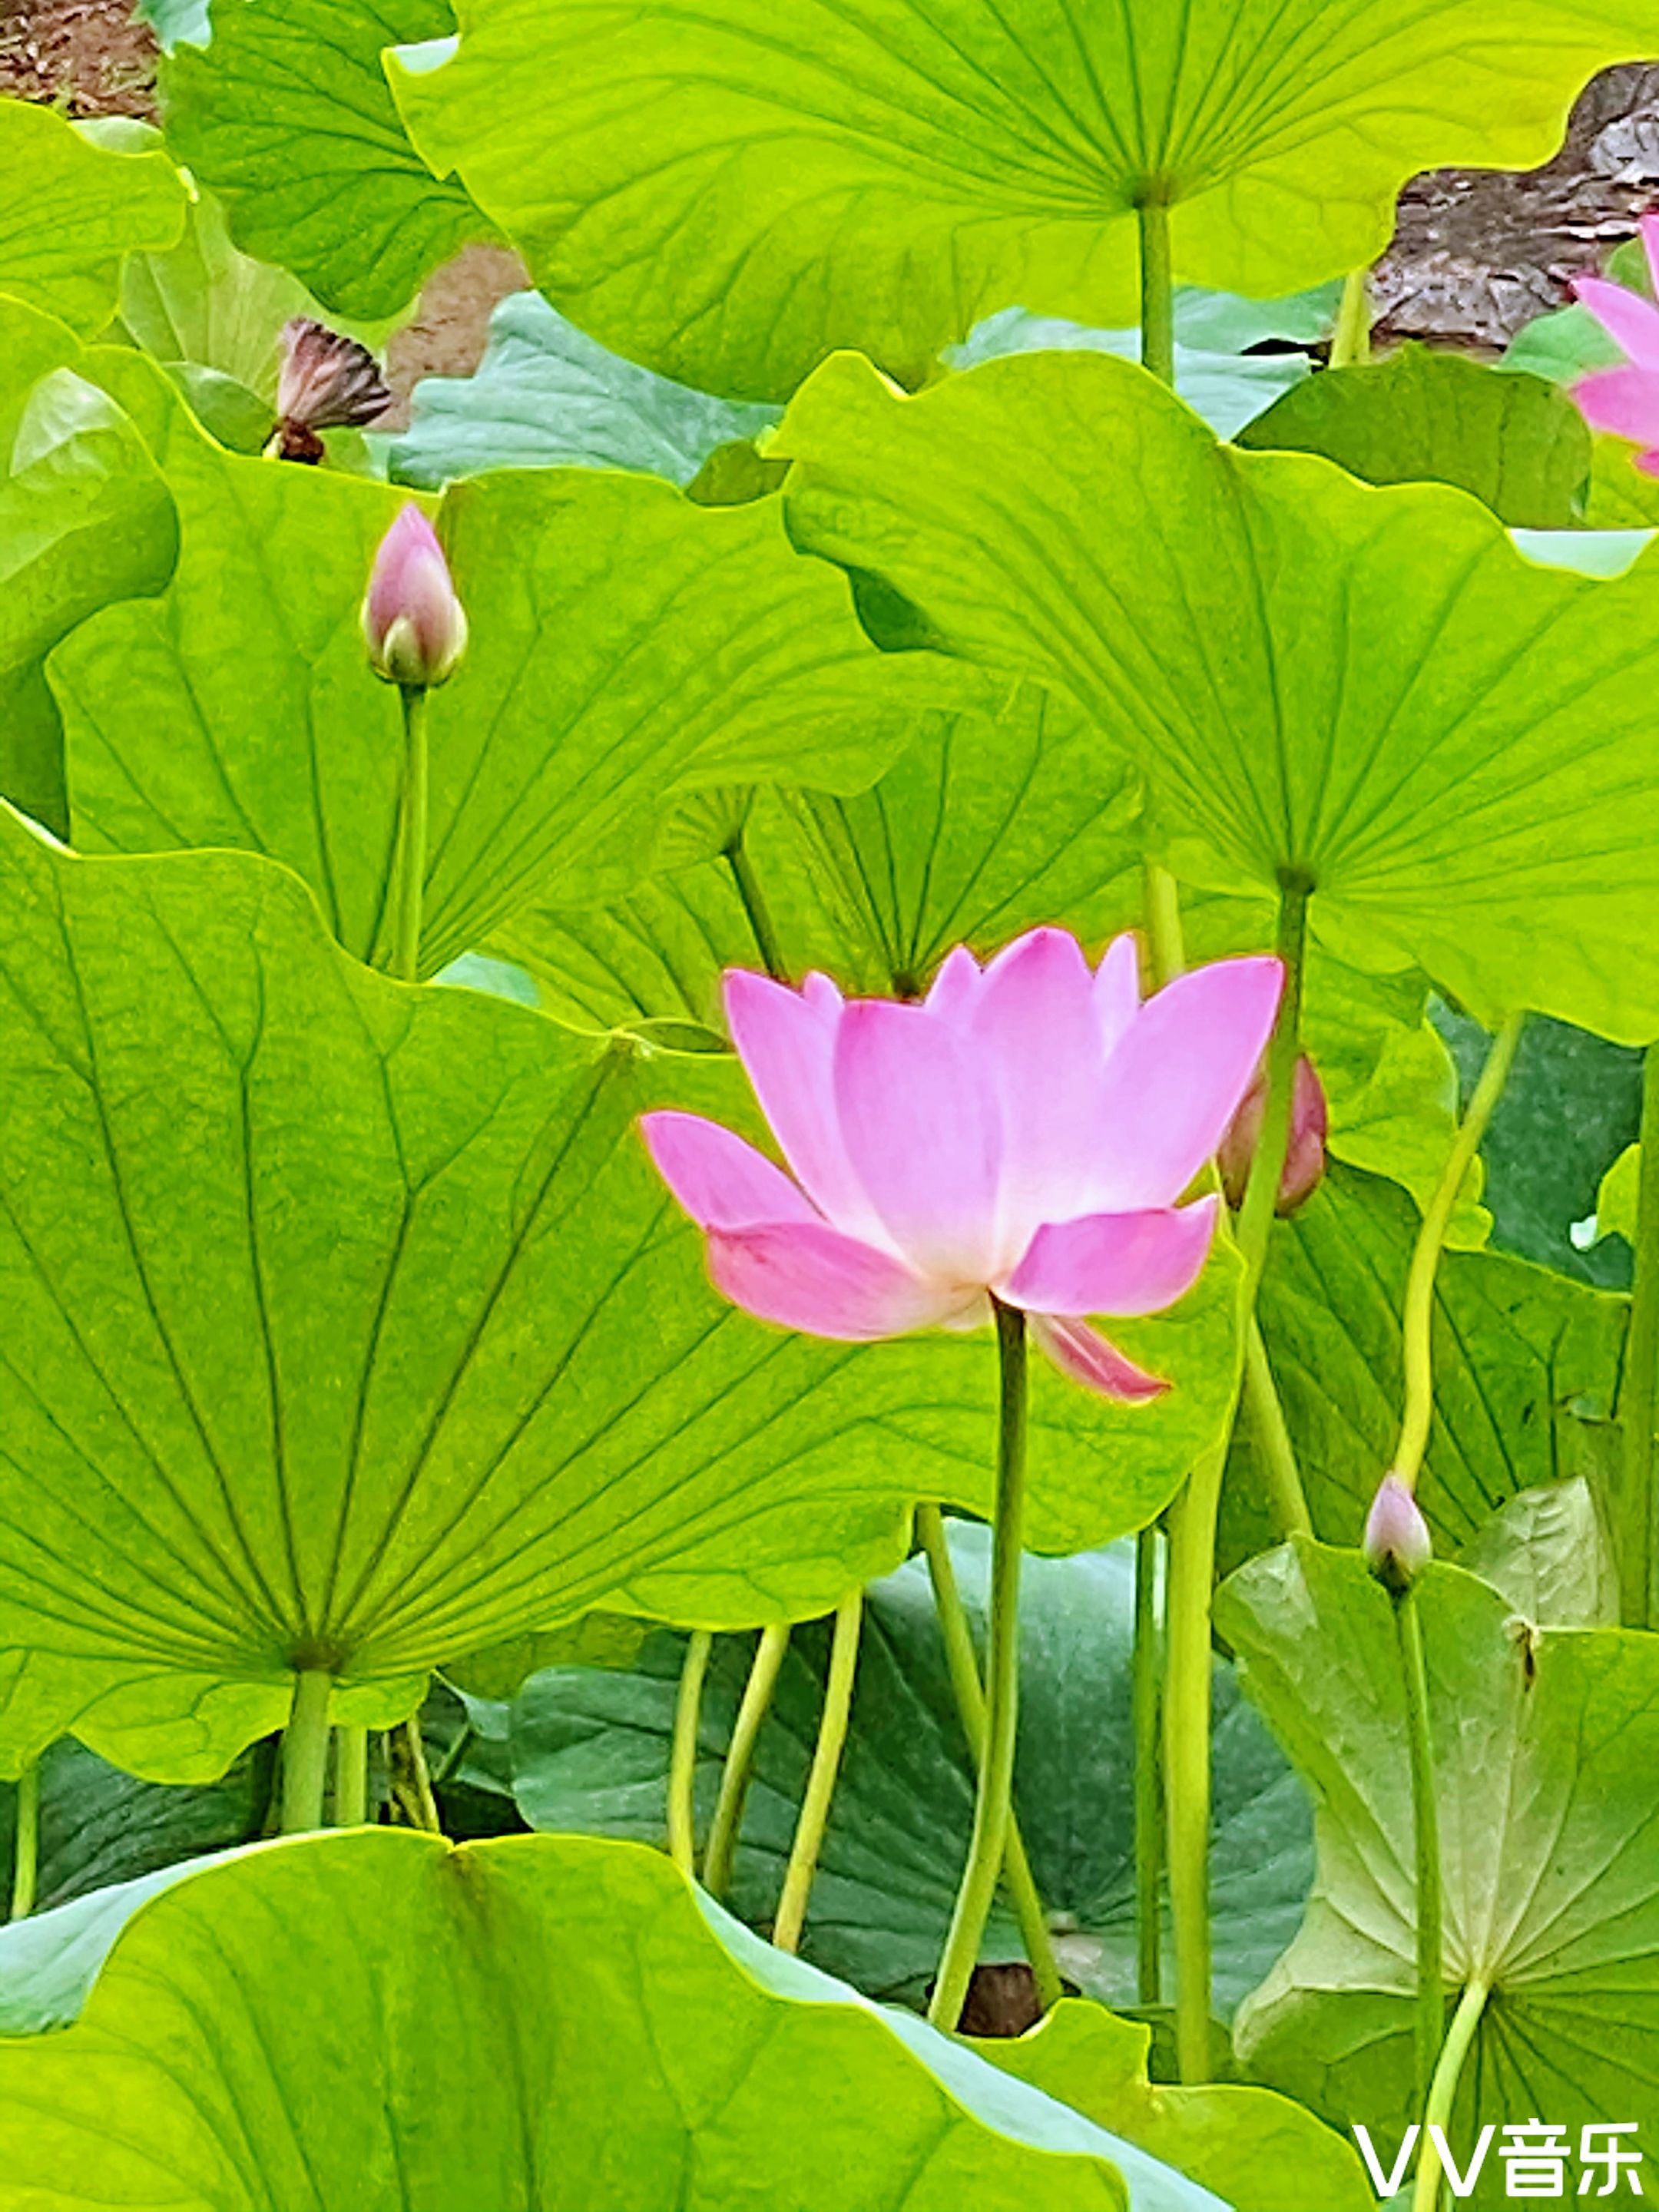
(413, 624)
(1625, 400)
(1025, 1132)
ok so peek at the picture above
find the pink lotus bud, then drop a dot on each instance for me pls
(413, 623)
(1396, 1544)
(1304, 1158)
(328, 382)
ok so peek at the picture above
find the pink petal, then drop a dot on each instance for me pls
(1117, 988)
(722, 1181)
(787, 1042)
(1649, 462)
(956, 988)
(1623, 400)
(920, 1131)
(1631, 321)
(1116, 1263)
(1651, 242)
(1037, 1035)
(1173, 1084)
(806, 1275)
(1083, 1355)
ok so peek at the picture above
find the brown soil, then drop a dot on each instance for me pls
(86, 57)
(446, 334)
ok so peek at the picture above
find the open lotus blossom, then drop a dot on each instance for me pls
(1025, 1132)
(1625, 400)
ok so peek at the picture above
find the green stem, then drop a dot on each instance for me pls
(1443, 2093)
(1192, 1524)
(1285, 1497)
(458, 1745)
(350, 1776)
(996, 1767)
(1426, 1821)
(722, 1844)
(1161, 906)
(821, 1781)
(418, 1799)
(1351, 341)
(305, 1751)
(1157, 291)
(756, 908)
(1634, 1508)
(963, 1665)
(1149, 1787)
(683, 1759)
(1418, 1314)
(411, 836)
(26, 1848)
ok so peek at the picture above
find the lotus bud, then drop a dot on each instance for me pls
(328, 382)
(1397, 1544)
(413, 623)
(1304, 1156)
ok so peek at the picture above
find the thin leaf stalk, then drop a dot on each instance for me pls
(1634, 1507)
(413, 1782)
(1282, 1478)
(1443, 2093)
(721, 1847)
(996, 1767)
(1418, 1317)
(756, 911)
(25, 1843)
(1146, 1670)
(412, 814)
(305, 1751)
(1351, 341)
(1430, 2015)
(683, 1755)
(962, 1664)
(821, 1779)
(1192, 1524)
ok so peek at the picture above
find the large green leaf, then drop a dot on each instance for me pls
(590, 1752)
(1545, 1746)
(348, 1327)
(1525, 1367)
(546, 396)
(1513, 440)
(1368, 688)
(287, 116)
(550, 2023)
(729, 194)
(85, 519)
(70, 212)
(627, 645)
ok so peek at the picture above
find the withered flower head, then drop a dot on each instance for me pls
(328, 382)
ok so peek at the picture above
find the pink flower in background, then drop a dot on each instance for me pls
(1625, 400)
(1025, 1132)
(1304, 1158)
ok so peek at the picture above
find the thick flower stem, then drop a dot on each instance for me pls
(683, 1759)
(1442, 2094)
(963, 1665)
(26, 1845)
(305, 1751)
(759, 914)
(1634, 1510)
(1191, 1547)
(1426, 1822)
(1149, 1785)
(350, 1776)
(411, 836)
(1350, 342)
(1417, 1318)
(996, 1767)
(722, 1844)
(821, 1780)
(1157, 291)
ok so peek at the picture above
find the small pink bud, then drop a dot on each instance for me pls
(1396, 1544)
(413, 623)
(1305, 1157)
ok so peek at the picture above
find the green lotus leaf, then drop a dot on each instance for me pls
(287, 117)
(729, 196)
(546, 396)
(1545, 1744)
(349, 1327)
(1418, 416)
(1526, 1370)
(1449, 742)
(1260, 2152)
(1548, 1552)
(177, 22)
(590, 1752)
(380, 2020)
(627, 647)
(1616, 1197)
(70, 212)
(85, 519)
